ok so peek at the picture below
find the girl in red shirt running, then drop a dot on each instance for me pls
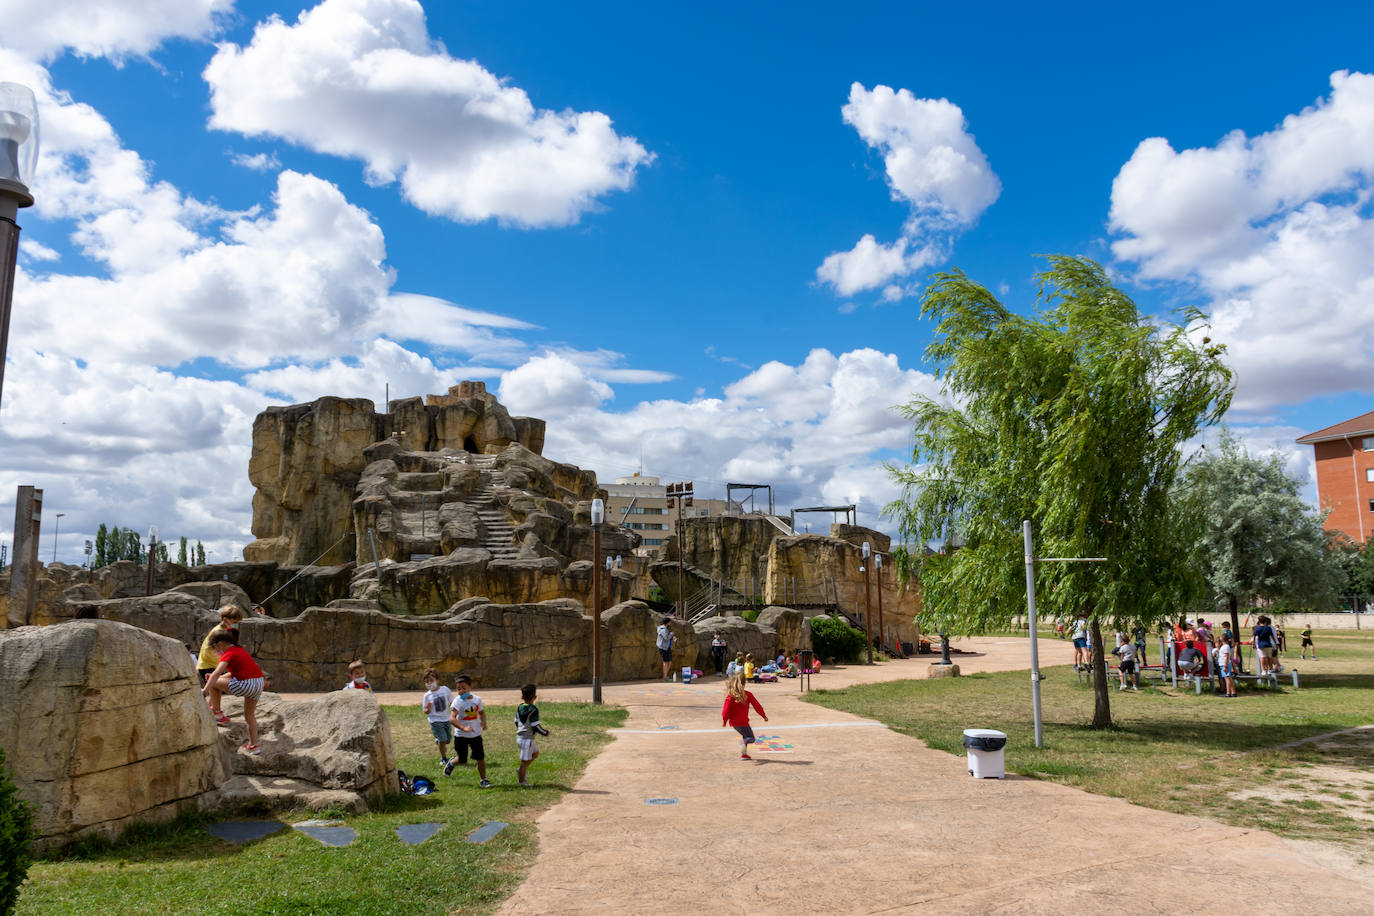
(238, 675)
(736, 711)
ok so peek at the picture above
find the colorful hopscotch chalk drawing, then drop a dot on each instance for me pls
(770, 744)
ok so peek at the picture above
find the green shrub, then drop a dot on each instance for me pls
(750, 615)
(16, 830)
(833, 638)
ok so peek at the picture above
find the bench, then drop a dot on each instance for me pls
(1085, 675)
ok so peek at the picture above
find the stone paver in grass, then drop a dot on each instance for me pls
(487, 831)
(415, 834)
(330, 833)
(243, 831)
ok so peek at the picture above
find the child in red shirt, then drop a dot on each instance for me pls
(736, 711)
(238, 675)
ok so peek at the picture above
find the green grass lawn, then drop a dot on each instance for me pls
(1171, 750)
(178, 868)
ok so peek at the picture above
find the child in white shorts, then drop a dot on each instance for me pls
(527, 725)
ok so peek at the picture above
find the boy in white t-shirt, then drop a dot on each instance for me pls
(438, 699)
(1125, 649)
(468, 716)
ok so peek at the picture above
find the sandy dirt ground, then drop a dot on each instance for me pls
(841, 815)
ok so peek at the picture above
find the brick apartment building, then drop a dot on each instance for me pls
(1345, 475)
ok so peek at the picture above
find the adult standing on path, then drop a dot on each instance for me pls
(665, 646)
(718, 652)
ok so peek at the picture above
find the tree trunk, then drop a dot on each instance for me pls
(1102, 706)
(1235, 631)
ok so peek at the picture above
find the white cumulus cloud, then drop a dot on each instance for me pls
(1276, 234)
(105, 28)
(931, 163)
(818, 431)
(363, 79)
(257, 162)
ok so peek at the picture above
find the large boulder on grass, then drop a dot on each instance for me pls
(333, 750)
(103, 725)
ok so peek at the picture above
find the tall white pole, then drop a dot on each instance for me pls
(1034, 631)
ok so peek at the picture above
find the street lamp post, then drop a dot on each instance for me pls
(878, 564)
(18, 157)
(152, 556)
(56, 525)
(868, 610)
(598, 516)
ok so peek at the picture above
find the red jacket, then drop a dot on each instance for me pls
(737, 713)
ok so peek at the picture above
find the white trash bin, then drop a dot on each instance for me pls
(985, 754)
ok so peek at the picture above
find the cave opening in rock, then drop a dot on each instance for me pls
(470, 445)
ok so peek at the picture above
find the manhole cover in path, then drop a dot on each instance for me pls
(660, 801)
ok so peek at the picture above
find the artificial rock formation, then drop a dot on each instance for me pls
(751, 557)
(103, 725)
(334, 750)
(437, 500)
(499, 645)
(62, 588)
(308, 458)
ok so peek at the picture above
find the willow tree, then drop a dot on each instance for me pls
(1071, 417)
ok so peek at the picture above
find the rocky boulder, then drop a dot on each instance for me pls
(216, 595)
(630, 642)
(740, 636)
(175, 615)
(794, 632)
(103, 726)
(305, 463)
(334, 750)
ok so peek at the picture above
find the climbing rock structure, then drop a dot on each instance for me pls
(436, 501)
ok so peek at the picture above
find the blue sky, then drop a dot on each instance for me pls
(700, 234)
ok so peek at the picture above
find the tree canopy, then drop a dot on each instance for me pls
(1257, 537)
(1071, 417)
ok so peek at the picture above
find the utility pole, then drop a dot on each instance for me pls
(878, 562)
(679, 493)
(1036, 677)
(868, 610)
(598, 516)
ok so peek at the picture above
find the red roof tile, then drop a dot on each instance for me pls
(1359, 426)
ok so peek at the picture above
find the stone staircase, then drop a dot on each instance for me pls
(499, 534)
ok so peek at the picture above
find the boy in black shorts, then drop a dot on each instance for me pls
(468, 716)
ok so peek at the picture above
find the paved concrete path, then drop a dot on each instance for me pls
(856, 818)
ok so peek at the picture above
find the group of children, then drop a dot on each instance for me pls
(772, 669)
(1198, 641)
(463, 719)
(228, 668)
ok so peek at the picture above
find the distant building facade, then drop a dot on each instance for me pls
(640, 503)
(1345, 475)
